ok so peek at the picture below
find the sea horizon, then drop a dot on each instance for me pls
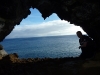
(39, 36)
(42, 47)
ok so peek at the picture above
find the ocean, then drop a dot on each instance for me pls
(43, 47)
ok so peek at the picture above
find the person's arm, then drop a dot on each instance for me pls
(83, 45)
(84, 42)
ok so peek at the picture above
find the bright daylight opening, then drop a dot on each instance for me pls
(35, 26)
(29, 39)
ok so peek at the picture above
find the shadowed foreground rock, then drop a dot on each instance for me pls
(12, 65)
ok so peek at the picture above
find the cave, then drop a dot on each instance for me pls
(84, 13)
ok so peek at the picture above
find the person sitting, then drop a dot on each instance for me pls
(86, 45)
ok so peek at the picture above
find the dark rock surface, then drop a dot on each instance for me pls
(12, 65)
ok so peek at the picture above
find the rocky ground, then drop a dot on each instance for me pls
(12, 65)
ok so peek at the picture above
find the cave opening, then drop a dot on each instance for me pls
(36, 37)
(35, 26)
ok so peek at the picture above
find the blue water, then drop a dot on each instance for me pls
(41, 47)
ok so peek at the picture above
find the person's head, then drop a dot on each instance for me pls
(79, 34)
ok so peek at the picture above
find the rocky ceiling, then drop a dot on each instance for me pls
(84, 13)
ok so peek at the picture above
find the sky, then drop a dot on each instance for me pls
(35, 26)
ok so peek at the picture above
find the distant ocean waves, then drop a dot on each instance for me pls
(41, 47)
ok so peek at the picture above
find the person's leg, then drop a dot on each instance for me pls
(83, 55)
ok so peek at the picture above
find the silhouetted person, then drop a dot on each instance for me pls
(86, 45)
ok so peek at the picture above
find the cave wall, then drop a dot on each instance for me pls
(83, 13)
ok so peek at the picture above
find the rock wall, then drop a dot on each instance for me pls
(84, 13)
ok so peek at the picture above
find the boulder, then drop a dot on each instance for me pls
(10, 58)
(2, 52)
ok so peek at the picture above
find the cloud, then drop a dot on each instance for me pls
(50, 28)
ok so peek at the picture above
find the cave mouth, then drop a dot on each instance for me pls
(36, 37)
(35, 26)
